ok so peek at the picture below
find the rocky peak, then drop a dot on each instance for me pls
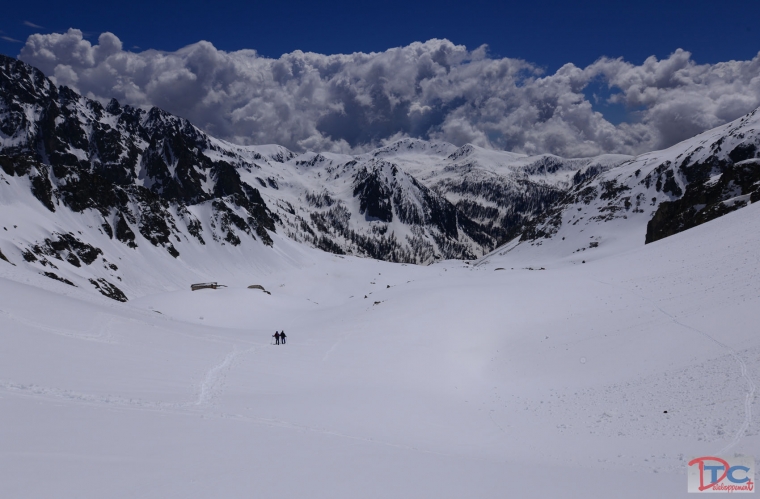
(140, 172)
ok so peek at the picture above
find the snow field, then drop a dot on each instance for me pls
(456, 381)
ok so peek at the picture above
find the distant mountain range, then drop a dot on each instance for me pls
(145, 178)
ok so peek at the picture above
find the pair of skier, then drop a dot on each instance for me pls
(279, 337)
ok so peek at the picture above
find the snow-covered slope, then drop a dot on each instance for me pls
(499, 190)
(448, 380)
(656, 194)
(366, 206)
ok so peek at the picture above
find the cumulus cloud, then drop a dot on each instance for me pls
(431, 90)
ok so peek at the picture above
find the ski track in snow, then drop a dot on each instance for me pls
(335, 345)
(91, 334)
(214, 378)
(750, 394)
(211, 380)
(209, 387)
(279, 423)
(46, 392)
(490, 416)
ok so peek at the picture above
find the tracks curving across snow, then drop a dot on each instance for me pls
(90, 399)
(213, 380)
(98, 331)
(209, 388)
(749, 395)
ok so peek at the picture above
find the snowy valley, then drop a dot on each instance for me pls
(461, 322)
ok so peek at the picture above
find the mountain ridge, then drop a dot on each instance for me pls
(148, 178)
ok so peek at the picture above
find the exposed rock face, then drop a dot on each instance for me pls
(107, 289)
(736, 186)
(140, 171)
(710, 178)
(134, 167)
(418, 201)
(67, 247)
(670, 191)
(720, 175)
(390, 215)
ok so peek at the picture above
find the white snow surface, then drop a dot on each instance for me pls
(479, 379)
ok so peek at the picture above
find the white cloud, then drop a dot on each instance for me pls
(429, 90)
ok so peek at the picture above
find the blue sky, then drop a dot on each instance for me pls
(548, 33)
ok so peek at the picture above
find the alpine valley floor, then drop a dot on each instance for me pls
(447, 381)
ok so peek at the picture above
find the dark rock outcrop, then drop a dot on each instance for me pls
(133, 167)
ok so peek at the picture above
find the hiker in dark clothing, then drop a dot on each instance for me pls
(276, 337)
(282, 335)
